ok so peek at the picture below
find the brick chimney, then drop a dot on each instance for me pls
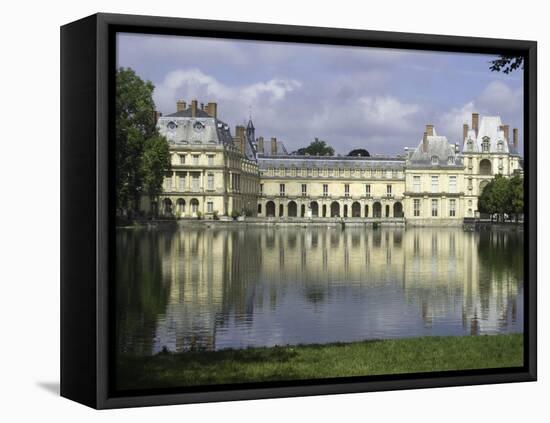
(273, 146)
(261, 145)
(516, 138)
(430, 130)
(465, 129)
(425, 142)
(240, 138)
(180, 106)
(212, 109)
(193, 108)
(506, 130)
(156, 116)
(475, 122)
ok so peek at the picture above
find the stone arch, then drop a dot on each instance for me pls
(366, 210)
(180, 205)
(485, 167)
(194, 205)
(292, 209)
(356, 209)
(377, 209)
(482, 185)
(398, 209)
(335, 209)
(303, 210)
(345, 210)
(387, 213)
(324, 210)
(167, 206)
(314, 209)
(281, 210)
(259, 208)
(270, 209)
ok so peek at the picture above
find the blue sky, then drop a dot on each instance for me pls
(352, 97)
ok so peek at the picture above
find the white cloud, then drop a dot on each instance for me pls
(387, 111)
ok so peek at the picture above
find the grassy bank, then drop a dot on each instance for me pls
(321, 361)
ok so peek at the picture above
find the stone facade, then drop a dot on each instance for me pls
(436, 182)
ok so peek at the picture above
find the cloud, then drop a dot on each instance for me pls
(387, 111)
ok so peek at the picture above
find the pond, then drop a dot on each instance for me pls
(200, 288)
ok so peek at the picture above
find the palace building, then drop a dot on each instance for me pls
(437, 182)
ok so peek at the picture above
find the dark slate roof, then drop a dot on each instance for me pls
(439, 147)
(187, 113)
(333, 162)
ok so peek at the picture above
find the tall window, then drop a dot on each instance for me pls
(500, 164)
(195, 159)
(304, 190)
(346, 190)
(210, 207)
(182, 159)
(325, 190)
(388, 190)
(434, 208)
(452, 207)
(452, 184)
(435, 183)
(210, 181)
(168, 183)
(195, 182)
(485, 145)
(416, 183)
(416, 207)
(282, 190)
(308, 171)
(182, 182)
(261, 189)
(210, 160)
(367, 189)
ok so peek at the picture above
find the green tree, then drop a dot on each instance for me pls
(516, 188)
(141, 152)
(506, 64)
(316, 148)
(359, 152)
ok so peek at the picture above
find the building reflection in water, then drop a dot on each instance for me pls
(213, 288)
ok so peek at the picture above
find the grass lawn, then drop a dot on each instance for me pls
(321, 361)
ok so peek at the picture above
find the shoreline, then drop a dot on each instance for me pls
(320, 222)
(316, 361)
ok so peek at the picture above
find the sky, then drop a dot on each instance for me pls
(352, 97)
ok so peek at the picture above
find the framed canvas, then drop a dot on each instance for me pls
(257, 211)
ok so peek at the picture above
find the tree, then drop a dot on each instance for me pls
(516, 188)
(506, 64)
(142, 153)
(316, 148)
(359, 152)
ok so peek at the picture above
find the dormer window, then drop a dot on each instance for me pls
(470, 144)
(500, 146)
(485, 144)
(451, 160)
(435, 160)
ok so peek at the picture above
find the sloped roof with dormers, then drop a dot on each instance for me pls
(439, 147)
(489, 130)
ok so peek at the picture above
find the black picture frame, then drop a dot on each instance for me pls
(87, 221)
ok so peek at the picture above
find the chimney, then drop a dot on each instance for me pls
(240, 138)
(465, 129)
(506, 130)
(475, 122)
(273, 146)
(425, 142)
(212, 109)
(261, 145)
(180, 106)
(193, 108)
(430, 130)
(516, 138)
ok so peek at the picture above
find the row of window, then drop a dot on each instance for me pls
(282, 190)
(330, 172)
(182, 182)
(195, 159)
(435, 207)
(434, 183)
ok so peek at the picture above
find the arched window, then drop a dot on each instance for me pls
(485, 144)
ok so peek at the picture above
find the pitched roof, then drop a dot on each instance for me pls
(437, 146)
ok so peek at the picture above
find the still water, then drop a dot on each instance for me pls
(213, 288)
